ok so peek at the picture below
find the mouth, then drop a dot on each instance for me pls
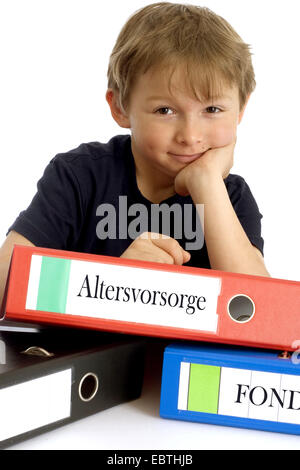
(186, 158)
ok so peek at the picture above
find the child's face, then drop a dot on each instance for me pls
(171, 129)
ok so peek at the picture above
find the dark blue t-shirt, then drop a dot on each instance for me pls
(88, 201)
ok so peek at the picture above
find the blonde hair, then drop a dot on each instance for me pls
(166, 34)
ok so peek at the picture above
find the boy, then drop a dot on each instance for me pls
(179, 78)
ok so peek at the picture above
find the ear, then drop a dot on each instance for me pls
(116, 111)
(241, 114)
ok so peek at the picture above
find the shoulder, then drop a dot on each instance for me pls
(95, 153)
(235, 182)
(241, 197)
(90, 168)
(237, 188)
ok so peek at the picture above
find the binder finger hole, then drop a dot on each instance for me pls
(241, 308)
(88, 386)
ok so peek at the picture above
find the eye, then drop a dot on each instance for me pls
(213, 110)
(165, 110)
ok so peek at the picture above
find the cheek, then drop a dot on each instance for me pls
(223, 135)
(146, 142)
(149, 138)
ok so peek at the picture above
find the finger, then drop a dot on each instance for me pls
(152, 236)
(186, 256)
(169, 245)
(147, 251)
(173, 248)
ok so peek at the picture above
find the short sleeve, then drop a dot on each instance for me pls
(246, 209)
(54, 216)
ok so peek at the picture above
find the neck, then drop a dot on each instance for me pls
(154, 185)
(153, 193)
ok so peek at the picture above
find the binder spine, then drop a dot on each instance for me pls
(40, 391)
(240, 391)
(38, 402)
(152, 299)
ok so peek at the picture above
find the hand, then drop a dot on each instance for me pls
(157, 248)
(217, 161)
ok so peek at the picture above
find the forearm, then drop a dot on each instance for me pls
(4, 267)
(6, 250)
(228, 246)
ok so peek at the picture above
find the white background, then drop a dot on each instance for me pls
(54, 56)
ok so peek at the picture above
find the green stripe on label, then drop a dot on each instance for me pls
(204, 388)
(53, 285)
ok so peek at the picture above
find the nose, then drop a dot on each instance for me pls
(189, 132)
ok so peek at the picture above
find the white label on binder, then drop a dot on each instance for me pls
(242, 393)
(183, 389)
(118, 292)
(35, 403)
